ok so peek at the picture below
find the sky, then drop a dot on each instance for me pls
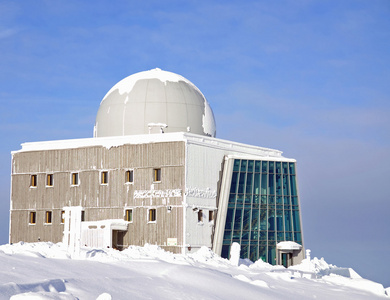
(310, 78)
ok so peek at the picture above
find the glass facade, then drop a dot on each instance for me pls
(262, 209)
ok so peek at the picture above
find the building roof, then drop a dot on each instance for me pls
(233, 148)
(153, 101)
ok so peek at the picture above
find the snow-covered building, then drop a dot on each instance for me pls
(155, 173)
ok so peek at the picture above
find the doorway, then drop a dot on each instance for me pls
(117, 239)
(286, 259)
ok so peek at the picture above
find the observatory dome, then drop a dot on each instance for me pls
(151, 102)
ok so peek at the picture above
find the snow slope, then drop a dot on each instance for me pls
(47, 271)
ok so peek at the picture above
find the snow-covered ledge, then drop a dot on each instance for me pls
(288, 246)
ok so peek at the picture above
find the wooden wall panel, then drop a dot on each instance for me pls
(99, 201)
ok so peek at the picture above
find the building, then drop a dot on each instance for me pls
(154, 172)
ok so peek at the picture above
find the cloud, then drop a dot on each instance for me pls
(312, 116)
(8, 32)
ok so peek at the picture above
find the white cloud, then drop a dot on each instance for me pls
(8, 32)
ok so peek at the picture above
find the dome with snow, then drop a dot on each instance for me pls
(154, 101)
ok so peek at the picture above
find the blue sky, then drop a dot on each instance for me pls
(310, 78)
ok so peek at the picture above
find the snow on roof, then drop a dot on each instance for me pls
(127, 84)
(288, 245)
(116, 224)
(243, 150)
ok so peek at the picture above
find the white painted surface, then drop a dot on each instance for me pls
(98, 234)
(72, 229)
(154, 97)
(235, 253)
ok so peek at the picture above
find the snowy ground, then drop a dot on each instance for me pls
(46, 271)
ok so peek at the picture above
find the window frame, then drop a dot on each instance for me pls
(104, 177)
(211, 216)
(129, 176)
(156, 175)
(33, 181)
(48, 217)
(129, 212)
(152, 215)
(75, 179)
(32, 218)
(49, 180)
(200, 216)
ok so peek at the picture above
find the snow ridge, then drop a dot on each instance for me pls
(47, 271)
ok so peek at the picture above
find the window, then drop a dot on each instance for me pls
(62, 216)
(152, 215)
(129, 176)
(33, 181)
(48, 217)
(104, 177)
(200, 215)
(49, 180)
(211, 215)
(268, 215)
(33, 215)
(129, 215)
(75, 179)
(157, 175)
(82, 215)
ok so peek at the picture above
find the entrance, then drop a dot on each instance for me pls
(286, 259)
(117, 239)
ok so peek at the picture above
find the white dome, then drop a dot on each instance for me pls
(152, 101)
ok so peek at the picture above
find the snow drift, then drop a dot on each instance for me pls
(47, 271)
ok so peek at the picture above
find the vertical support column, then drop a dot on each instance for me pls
(65, 239)
(223, 205)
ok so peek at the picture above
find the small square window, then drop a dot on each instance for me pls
(152, 215)
(200, 215)
(49, 180)
(32, 218)
(157, 175)
(48, 219)
(75, 178)
(129, 215)
(211, 215)
(62, 216)
(129, 176)
(104, 177)
(33, 181)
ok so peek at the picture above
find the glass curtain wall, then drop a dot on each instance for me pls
(263, 209)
